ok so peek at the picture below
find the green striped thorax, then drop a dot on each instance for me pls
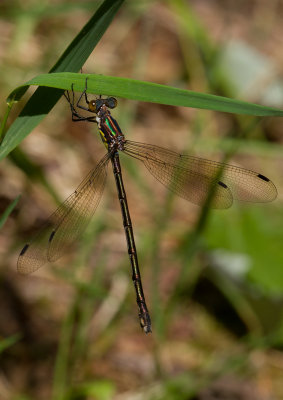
(109, 129)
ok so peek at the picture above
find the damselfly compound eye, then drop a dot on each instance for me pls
(92, 106)
(111, 102)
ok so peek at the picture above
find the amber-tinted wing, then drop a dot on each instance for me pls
(66, 224)
(192, 178)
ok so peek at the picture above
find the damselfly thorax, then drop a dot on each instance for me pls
(109, 130)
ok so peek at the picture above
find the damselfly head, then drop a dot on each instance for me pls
(95, 105)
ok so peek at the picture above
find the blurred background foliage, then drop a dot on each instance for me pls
(213, 280)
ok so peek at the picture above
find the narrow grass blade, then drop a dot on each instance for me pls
(8, 342)
(8, 211)
(147, 91)
(121, 87)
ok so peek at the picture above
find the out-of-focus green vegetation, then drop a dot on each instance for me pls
(213, 279)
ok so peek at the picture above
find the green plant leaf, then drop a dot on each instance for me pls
(43, 100)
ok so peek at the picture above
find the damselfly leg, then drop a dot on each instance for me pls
(76, 116)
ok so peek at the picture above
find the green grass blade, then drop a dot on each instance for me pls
(8, 211)
(121, 87)
(4, 121)
(72, 59)
(146, 91)
(8, 342)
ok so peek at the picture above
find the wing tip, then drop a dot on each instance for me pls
(264, 178)
(20, 267)
(24, 249)
(273, 190)
(28, 262)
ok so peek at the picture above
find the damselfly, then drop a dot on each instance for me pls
(189, 177)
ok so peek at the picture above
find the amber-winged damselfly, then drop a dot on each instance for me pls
(189, 177)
